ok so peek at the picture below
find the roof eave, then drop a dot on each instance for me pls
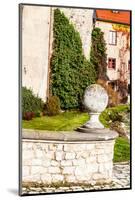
(111, 21)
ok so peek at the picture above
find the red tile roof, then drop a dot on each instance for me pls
(120, 17)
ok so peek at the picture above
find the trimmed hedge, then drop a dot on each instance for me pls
(71, 73)
(30, 103)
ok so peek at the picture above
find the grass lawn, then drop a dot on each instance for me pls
(68, 121)
(121, 150)
(64, 122)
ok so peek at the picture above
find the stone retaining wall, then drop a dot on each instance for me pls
(87, 162)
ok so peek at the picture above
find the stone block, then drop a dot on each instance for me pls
(52, 147)
(98, 176)
(36, 162)
(27, 154)
(90, 146)
(49, 155)
(70, 179)
(82, 154)
(53, 170)
(74, 147)
(54, 163)
(25, 171)
(91, 159)
(59, 155)
(78, 162)
(68, 170)
(32, 178)
(36, 170)
(103, 158)
(69, 156)
(59, 147)
(46, 162)
(26, 162)
(66, 163)
(57, 178)
(39, 153)
(46, 178)
(44, 170)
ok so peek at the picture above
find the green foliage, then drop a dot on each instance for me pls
(121, 150)
(98, 56)
(71, 73)
(30, 103)
(114, 114)
(53, 106)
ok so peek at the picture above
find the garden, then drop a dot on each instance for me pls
(70, 74)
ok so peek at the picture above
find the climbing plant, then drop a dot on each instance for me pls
(124, 34)
(71, 73)
(98, 56)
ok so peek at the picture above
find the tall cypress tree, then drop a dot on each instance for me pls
(98, 56)
(71, 73)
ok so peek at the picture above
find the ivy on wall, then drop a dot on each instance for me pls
(98, 56)
(71, 73)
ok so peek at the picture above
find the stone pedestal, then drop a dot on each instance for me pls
(68, 157)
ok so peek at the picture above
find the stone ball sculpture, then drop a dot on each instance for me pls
(95, 98)
(95, 101)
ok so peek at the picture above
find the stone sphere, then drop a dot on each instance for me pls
(95, 98)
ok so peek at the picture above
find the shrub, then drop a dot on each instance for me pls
(71, 73)
(28, 115)
(31, 104)
(53, 106)
(114, 114)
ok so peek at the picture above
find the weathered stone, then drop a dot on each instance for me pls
(103, 158)
(90, 159)
(54, 163)
(39, 153)
(26, 171)
(66, 163)
(68, 170)
(70, 156)
(46, 162)
(54, 170)
(28, 154)
(36, 162)
(49, 155)
(46, 178)
(98, 176)
(70, 179)
(57, 178)
(59, 147)
(59, 155)
(80, 162)
(35, 170)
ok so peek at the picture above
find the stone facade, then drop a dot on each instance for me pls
(37, 39)
(113, 51)
(51, 162)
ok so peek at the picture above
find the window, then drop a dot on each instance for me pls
(111, 63)
(113, 37)
(129, 65)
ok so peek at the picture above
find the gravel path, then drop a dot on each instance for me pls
(121, 179)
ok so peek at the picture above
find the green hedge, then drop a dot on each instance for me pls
(71, 73)
(30, 102)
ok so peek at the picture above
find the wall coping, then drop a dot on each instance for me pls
(70, 136)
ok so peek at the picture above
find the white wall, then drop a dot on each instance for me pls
(35, 47)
